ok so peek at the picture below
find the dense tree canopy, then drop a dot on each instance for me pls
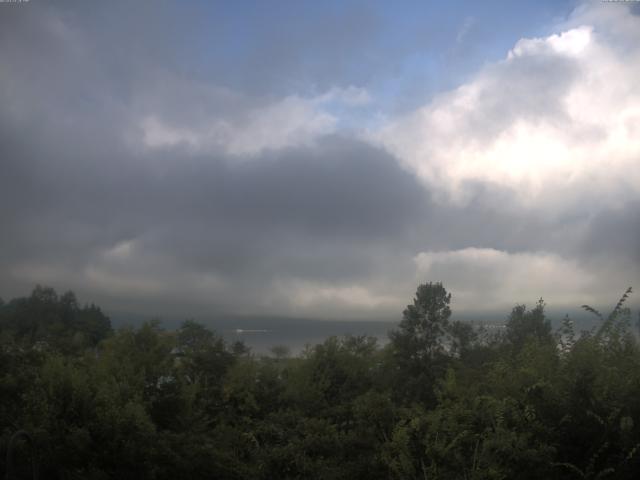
(439, 400)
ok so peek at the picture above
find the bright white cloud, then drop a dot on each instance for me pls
(305, 297)
(157, 134)
(290, 122)
(558, 120)
(121, 251)
(573, 42)
(293, 121)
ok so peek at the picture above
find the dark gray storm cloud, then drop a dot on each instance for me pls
(616, 231)
(73, 189)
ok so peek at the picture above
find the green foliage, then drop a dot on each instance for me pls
(53, 322)
(525, 325)
(439, 401)
(418, 348)
(424, 324)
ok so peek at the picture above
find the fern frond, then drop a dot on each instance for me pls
(605, 472)
(618, 306)
(632, 452)
(570, 466)
(594, 311)
(595, 416)
(594, 458)
(606, 326)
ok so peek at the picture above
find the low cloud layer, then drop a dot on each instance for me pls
(153, 186)
(557, 121)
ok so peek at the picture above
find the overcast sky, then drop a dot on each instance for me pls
(320, 159)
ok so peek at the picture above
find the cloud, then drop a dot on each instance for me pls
(356, 300)
(152, 180)
(178, 224)
(206, 234)
(556, 121)
(350, 96)
(464, 30)
(615, 232)
(486, 278)
(293, 121)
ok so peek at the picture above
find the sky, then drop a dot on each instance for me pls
(320, 159)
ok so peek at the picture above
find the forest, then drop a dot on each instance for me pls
(440, 400)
